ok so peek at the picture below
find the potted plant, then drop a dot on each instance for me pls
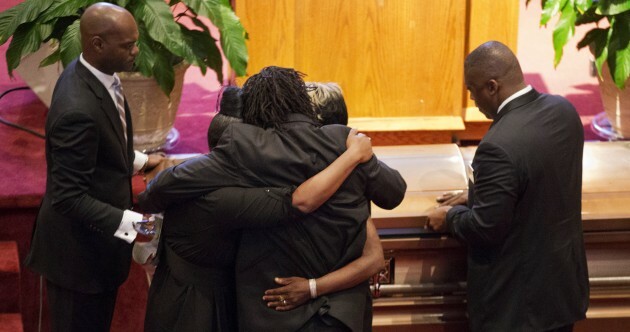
(171, 32)
(609, 40)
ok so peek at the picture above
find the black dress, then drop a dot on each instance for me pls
(193, 286)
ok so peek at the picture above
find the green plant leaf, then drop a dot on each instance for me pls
(26, 39)
(619, 51)
(612, 7)
(160, 24)
(162, 41)
(591, 37)
(601, 50)
(198, 23)
(70, 46)
(202, 47)
(53, 58)
(204, 8)
(13, 17)
(59, 27)
(45, 30)
(622, 69)
(563, 31)
(233, 41)
(589, 16)
(146, 56)
(232, 31)
(163, 72)
(597, 40)
(154, 60)
(550, 9)
(583, 5)
(63, 8)
(123, 3)
(205, 52)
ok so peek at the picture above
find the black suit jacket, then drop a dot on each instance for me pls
(321, 242)
(88, 185)
(193, 288)
(526, 266)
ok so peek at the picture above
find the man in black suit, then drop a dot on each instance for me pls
(292, 148)
(526, 261)
(82, 239)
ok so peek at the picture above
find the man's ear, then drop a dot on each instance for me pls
(493, 86)
(97, 43)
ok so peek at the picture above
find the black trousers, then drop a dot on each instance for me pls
(317, 324)
(80, 312)
(566, 328)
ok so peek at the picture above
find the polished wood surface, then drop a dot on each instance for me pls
(606, 166)
(391, 58)
(605, 184)
(406, 123)
(408, 130)
(492, 20)
(399, 58)
(425, 284)
(429, 171)
(488, 20)
(476, 125)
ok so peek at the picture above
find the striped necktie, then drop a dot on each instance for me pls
(120, 103)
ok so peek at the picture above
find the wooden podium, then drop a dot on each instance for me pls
(399, 62)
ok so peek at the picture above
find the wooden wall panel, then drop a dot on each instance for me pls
(491, 20)
(271, 28)
(391, 58)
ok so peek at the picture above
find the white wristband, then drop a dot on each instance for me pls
(312, 285)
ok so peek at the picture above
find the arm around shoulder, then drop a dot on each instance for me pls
(191, 179)
(385, 186)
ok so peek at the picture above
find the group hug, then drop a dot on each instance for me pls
(271, 230)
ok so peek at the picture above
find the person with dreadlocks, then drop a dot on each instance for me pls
(280, 144)
(193, 286)
(330, 107)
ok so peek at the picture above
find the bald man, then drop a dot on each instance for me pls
(522, 223)
(85, 227)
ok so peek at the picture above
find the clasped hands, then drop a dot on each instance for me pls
(436, 219)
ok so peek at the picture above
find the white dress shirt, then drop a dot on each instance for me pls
(514, 96)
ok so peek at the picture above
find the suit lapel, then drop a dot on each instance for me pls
(107, 106)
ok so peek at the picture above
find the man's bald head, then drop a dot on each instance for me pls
(108, 37)
(494, 60)
(492, 74)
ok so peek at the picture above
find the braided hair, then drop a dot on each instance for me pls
(271, 95)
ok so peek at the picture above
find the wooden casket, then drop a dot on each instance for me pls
(424, 285)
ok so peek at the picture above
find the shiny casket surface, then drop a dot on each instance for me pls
(424, 285)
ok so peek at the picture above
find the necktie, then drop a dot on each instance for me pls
(120, 104)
